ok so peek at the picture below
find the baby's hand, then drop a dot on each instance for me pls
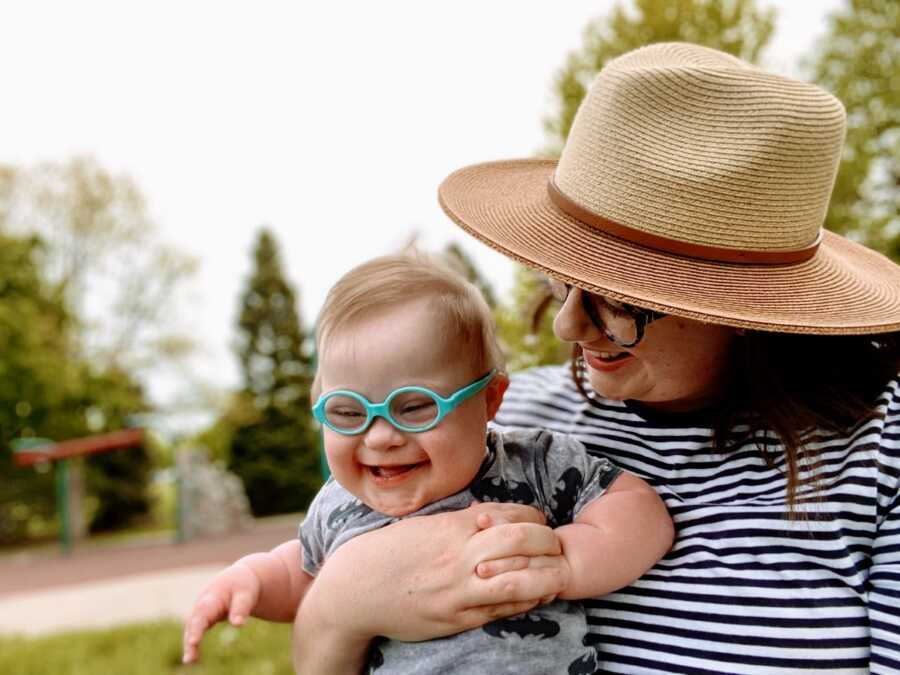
(491, 568)
(233, 593)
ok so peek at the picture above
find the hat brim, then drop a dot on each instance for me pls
(845, 288)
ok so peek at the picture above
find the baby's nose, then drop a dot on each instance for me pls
(382, 435)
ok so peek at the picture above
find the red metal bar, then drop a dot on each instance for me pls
(77, 447)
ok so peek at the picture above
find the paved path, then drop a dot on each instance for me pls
(109, 585)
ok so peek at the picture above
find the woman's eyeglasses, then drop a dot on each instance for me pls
(621, 323)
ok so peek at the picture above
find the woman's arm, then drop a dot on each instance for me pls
(615, 538)
(415, 580)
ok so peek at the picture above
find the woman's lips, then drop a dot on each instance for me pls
(607, 361)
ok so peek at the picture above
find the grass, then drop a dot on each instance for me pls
(259, 648)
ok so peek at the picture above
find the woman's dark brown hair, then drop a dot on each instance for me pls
(803, 388)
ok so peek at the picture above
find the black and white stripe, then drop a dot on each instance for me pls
(744, 589)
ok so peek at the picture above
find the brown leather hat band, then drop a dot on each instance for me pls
(654, 241)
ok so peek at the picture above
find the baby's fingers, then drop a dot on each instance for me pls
(491, 568)
(242, 603)
(491, 514)
(194, 628)
(518, 539)
(521, 586)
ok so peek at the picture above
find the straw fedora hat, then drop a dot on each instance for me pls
(695, 184)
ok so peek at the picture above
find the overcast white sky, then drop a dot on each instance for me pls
(331, 122)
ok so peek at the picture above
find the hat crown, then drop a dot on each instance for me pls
(685, 143)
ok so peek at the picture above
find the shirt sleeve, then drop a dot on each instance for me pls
(314, 531)
(884, 574)
(576, 478)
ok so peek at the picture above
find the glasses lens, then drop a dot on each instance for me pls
(344, 412)
(558, 289)
(616, 320)
(413, 409)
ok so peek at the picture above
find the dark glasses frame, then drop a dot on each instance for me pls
(594, 303)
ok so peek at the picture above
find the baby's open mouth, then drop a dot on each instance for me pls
(392, 471)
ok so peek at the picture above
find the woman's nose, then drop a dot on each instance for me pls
(382, 435)
(572, 324)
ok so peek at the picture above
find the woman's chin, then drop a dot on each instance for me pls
(610, 388)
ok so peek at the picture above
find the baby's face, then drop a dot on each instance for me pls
(392, 471)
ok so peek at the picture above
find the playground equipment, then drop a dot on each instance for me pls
(29, 451)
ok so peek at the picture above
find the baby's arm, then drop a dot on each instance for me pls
(615, 538)
(269, 586)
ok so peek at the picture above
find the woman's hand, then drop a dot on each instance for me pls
(417, 580)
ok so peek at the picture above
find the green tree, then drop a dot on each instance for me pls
(858, 60)
(277, 453)
(524, 324)
(118, 479)
(100, 243)
(48, 391)
(35, 380)
(94, 239)
(736, 26)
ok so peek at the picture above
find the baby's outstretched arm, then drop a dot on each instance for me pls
(265, 585)
(615, 539)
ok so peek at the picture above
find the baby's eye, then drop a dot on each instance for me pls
(346, 413)
(416, 407)
(413, 408)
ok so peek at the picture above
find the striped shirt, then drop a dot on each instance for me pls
(743, 590)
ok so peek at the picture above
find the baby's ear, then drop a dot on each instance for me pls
(494, 394)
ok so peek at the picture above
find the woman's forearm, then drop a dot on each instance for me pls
(415, 580)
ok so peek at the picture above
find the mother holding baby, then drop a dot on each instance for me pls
(726, 349)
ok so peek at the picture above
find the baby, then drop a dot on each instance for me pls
(409, 375)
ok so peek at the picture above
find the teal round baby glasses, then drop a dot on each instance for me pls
(412, 409)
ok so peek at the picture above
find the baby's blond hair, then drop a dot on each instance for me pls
(390, 281)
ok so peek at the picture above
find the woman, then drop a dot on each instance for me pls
(728, 350)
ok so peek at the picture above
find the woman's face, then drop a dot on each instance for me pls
(679, 365)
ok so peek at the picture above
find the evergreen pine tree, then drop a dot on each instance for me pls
(277, 453)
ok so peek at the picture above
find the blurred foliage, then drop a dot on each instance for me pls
(238, 412)
(104, 256)
(858, 60)
(119, 479)
(37, 380)
(101, 261)
(525, 323)
(258, 648)
(49, 389)
(734, 26)
(276, 452)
